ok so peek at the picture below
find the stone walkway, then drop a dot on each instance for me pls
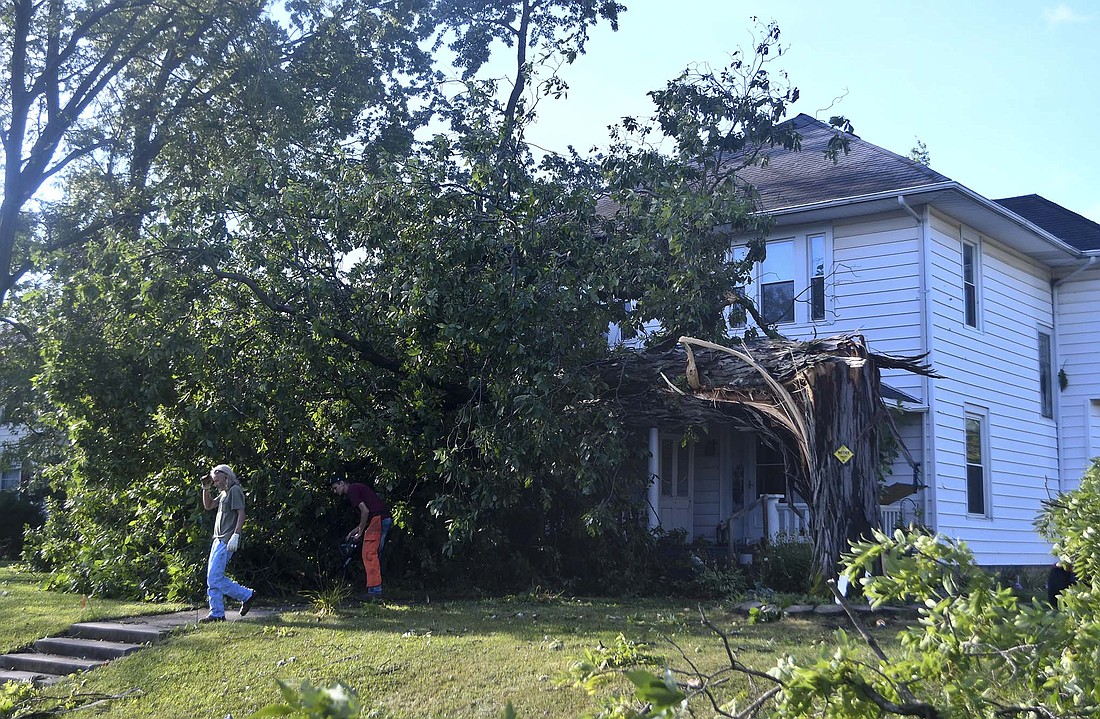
(87, 645)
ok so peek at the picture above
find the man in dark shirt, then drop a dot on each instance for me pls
(374, 524)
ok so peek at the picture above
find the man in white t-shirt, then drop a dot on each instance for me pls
(227, 537)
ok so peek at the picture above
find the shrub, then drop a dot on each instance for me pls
(787, 565)
(17, 511)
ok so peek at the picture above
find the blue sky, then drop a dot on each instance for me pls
(1005, 94)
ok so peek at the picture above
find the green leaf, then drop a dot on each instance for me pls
(654, 690)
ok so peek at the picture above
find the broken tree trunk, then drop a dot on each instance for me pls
(843, 421)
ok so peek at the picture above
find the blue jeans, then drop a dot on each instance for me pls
(386, 524)
(219, 586)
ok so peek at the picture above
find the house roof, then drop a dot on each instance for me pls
(793, 178)
(1081, 232)
(802, 186)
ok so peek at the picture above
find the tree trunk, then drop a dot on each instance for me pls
(842, 411)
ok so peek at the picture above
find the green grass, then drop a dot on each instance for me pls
(405, 659)
(27, 612)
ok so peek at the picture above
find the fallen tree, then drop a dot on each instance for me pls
(819, 402)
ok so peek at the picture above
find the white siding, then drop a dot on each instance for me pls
(993, 369)
(1078, 406)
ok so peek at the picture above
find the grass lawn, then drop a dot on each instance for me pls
(28, 613)
(439, 659)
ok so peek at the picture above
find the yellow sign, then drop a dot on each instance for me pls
(843, 454)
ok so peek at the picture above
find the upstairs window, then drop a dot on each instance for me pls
(777, 283)
(736, 314)
(790, 284)
(1046, 376)
(970, 282)
(817, 276)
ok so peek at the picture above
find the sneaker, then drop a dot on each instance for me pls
(375, 592)
(247, 604)
(211, 618)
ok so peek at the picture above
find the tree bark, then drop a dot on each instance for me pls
(842, 411)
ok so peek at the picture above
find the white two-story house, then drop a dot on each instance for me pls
(1002, 297)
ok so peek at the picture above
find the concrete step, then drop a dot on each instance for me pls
(36, 678)
(118, 632)
(47, 663)
(84, 648)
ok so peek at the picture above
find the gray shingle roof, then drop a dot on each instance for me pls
(1081, 232)
(795, 178)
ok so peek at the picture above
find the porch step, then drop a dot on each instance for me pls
(87, 645)
(36, 678)
(84, 648)
(118, 632)
(48, 663)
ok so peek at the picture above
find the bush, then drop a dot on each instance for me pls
(787, 565)
(17, 511)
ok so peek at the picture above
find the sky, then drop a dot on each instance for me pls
(1005, 94)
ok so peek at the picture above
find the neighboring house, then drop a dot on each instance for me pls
(11, 462)
(1002, 296)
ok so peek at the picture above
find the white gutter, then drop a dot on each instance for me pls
(916, 191)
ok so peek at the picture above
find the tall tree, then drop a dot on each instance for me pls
(66, 65)
(317, 285)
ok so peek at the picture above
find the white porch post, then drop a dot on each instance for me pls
(654, 479)
(772, 503)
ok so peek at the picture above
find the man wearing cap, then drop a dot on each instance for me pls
(227, 537)
(374, 525)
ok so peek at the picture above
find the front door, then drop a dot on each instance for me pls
(677, 471)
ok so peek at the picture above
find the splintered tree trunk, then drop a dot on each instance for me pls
(842, 411)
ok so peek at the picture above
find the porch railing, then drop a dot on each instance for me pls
(779, 517)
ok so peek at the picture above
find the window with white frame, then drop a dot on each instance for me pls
(9, 475)
(970, 274)
(977, 469)
(675, 467)
(736, 314)
(1046, 375)
(789, 285)
(816, 255)
(777, 283)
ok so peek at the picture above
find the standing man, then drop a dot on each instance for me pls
(227, 537)
(374, 524)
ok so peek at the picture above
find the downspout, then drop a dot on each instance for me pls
(1080, 268)
(910, 210)
(1055, 285)
(928, 463)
